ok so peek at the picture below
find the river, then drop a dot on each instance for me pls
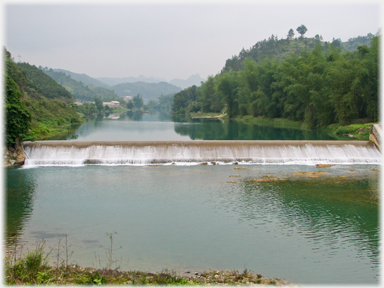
(314, 228)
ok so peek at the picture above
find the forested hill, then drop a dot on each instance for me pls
(44, 84)
(149, 91)
(84, 78)
(89, 88)
(35, 105)
(284, 48)
(79, 89)
(321, 86)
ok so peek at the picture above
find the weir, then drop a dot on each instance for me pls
(78, 153)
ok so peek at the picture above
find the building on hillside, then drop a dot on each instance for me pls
(112, 104)
(127, 98)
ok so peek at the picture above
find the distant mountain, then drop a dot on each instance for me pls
(192, 80)
(147, 90)
(79, 89)
(84, 78)
(114, 81)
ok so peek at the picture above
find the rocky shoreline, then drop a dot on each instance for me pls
(14, 156)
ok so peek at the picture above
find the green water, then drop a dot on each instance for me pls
(322, 230)
(146, 127)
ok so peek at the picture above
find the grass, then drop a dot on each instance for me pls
(32, 269)
(354, 131)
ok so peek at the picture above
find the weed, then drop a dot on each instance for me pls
(109, 252)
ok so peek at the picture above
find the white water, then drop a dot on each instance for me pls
(65, 153)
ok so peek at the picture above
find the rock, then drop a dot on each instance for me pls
(324, 165)
(375, 169)
(266, 180)
(240, 168)
(311, 173)
(14, 156)
(231, 182)
(234, 175)
(268, 176)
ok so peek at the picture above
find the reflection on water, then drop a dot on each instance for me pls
(307, 230)
(125, 127)
(19, 192)
(209, 129)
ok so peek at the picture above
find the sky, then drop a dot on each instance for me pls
(167, 40)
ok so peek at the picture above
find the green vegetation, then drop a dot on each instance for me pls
(324, 85)
(37, 107)
(33, 269)
(44, 84)
(81, 78)
(355, 131)
(18, 120)
(80, 90)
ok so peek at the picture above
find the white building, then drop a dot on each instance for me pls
(112, 104)
(127, 98)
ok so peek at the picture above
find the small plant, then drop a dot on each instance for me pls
(109, 252)
(26, 270)
(63, 248)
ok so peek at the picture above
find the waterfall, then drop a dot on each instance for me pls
(78, 153)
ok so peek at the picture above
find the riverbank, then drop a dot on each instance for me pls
(33, 269)
(76, 275)
(355, 131)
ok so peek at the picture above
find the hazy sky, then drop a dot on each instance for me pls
(167, 39)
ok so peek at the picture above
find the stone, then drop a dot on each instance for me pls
(324, 165)
(311, 173)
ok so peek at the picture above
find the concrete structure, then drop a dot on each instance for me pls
(376, 135)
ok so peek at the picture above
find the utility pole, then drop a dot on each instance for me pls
(19, 57)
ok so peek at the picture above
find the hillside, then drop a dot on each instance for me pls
(37, 107)
(284, 48)
(112, 81)
(80, 90)
(303, 79)
(44, 84)
(149, 91)
(84, 78)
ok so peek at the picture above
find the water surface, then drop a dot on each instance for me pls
(162, 127)
(306, 229)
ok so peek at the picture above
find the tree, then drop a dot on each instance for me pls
(302, 30)
(336, 42)
(18, 118)
(99, 104)
(290, 34)
(138, 101)
(130, 104)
